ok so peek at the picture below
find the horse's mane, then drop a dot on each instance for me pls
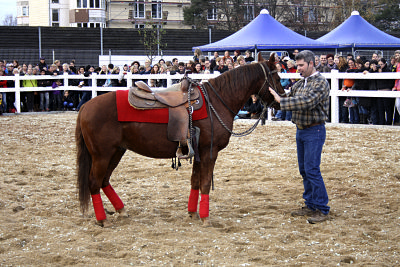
(239, 78)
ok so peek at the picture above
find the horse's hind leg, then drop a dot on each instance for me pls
(97, 173)
(108, 189)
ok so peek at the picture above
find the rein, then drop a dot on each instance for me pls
(252, 128)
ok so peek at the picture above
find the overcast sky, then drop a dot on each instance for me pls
(7, 7)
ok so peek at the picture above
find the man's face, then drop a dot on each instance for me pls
(181, 68)
(397, 57)
(207, 64)
(305, 69)
(322, 59)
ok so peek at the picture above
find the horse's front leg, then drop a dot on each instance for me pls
(194, 191)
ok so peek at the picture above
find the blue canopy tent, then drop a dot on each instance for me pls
(265, 33)
(357, 32)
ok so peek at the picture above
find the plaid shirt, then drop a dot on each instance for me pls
(308, 100)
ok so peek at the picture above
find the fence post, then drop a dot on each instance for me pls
(94, 84)
(169, 80)
(66, 80)
(17, 93)
(129, 82)
(334, 97)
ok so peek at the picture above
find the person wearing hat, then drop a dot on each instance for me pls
(42, 64)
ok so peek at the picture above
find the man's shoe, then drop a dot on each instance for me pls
(318, 217)
(304, 211)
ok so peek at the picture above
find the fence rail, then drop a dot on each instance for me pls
(334, 77)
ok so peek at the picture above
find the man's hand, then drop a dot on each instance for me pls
(276, 96)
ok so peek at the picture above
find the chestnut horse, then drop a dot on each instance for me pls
(102, 140)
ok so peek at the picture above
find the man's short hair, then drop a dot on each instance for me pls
(181, 64)
(307, 56)
(330, 55)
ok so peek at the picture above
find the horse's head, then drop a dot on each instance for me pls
(272, 80)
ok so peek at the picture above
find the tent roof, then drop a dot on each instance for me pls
(264, 32)
(357, 32)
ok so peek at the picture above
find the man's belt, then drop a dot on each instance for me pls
(300, 127)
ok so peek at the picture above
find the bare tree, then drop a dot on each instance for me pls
(9, 20)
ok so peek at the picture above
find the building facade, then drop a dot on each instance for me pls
(300, 15)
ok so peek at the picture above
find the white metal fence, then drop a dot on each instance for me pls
(334, 76)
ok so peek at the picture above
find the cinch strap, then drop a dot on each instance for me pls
(113, 197)
(98, 207)
(204, 206)
(193, 200)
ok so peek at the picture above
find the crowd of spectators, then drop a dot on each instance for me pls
(57, 99)
(351, 110)
(363, 110)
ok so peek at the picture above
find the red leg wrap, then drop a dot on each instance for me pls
(204, 206)
(113, 197)
(193, 200)
(98, 207)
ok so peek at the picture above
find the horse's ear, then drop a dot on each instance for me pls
(272, 57)
(260, 57)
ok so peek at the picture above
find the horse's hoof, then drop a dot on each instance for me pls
(193, 216)
(206, 222)
(104, 223)
(122, 213)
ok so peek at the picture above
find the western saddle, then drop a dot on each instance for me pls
(176, 99)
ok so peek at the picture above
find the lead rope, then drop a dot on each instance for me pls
(244, 133)
(190, 107)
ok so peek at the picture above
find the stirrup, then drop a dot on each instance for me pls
(180, 154)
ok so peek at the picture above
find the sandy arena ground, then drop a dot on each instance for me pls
(257, 185)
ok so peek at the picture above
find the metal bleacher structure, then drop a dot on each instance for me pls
(85, 45)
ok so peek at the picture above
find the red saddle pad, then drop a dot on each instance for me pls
(128, 113)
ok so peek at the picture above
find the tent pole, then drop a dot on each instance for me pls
(255, 51)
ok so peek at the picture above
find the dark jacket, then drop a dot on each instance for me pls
(363, 84)
(221, 70)
(385, 83)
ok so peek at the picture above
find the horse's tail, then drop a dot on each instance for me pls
(84, 163)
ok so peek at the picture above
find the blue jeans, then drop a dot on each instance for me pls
(309, 148)
(87, 95)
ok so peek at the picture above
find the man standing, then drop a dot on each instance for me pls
(309, 103)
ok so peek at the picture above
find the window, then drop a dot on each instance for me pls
(55, 1)
(90, 3)
(249, 13)
(139, 10)
(94, 3)
(298, 13)
(312, 15)
(212, 14)
(156, 12)
(25, 11)
(139, 26)
(55, 21)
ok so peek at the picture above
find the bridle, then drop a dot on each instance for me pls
(266, 81)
